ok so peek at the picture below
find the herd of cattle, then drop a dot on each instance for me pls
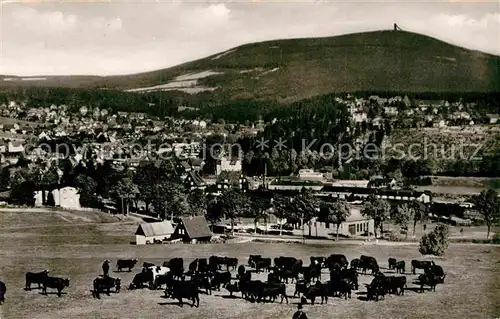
(214, 273)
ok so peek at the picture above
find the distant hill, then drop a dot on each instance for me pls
(294, 69)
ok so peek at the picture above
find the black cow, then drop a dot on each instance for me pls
(355, 263)
(193, 267)
(338, 259)
(105, 268)
(202, 282)
(35, 278)
(400, 267)
(125, 264)
(430, 280)
(262, 264)
(54, 283)
(104, 285)
(395, 284)
(241, 272)
(250, 288)
(318, 290)
(221, 279)
(176, 266)
(341, 287)
(368, 262)
(3, 290)
(284, 262)
(419, 264)
(318, 260)
(252, 259)
(161, 280)
(146, 276)
(272, 290)
(350, 275)
(301, 287)
(437, 271)
(273, 278)
(186, 289)
(377, 288)
(392, 263)
(313, 272)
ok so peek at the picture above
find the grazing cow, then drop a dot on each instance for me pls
(272, 290)
(176, 266)
(368, 262)
(419, 264)
(186, 289)
(125, 264)
(437, 271)
(377, 288)
(35, 278)
(430, 280)
(337, 259)
(393, 283)
(392, 263)
(286, 274)
(221, 279)
(104, 285)
(400, 267)
(55, 283)
(301, 287)
(105, 268)
(141, 278)
(355, 263)
(318, 290)
(230, 263)
(3, 290)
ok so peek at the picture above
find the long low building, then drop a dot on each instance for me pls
(354, 193)
(147, 233)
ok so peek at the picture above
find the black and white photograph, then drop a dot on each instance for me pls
(271, 159)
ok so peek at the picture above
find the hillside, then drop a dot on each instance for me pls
(288, 70)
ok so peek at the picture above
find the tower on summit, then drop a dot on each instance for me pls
(396, 28)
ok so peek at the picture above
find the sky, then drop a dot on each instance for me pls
(122, 37)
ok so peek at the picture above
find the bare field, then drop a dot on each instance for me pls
(75, 250)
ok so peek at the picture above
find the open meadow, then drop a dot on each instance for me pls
(74, 245)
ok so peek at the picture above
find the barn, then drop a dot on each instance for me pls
(147, 233)
(192, 229)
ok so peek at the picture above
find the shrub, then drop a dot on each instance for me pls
(50, 200)
(496, 239)
(436, 242)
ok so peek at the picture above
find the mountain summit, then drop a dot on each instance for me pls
(293, 69)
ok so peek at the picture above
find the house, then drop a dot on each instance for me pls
(15, 147)
(224, 164)
(493, 118)
(192, 229)
(355, 225)
(147, 233)
(193, 180)
(67, 197)
(379, 182)
(310, 175)
(196, 163)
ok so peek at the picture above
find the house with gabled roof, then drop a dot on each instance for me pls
(147, 233)
(192, 229)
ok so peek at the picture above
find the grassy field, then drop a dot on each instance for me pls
(75, 244)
